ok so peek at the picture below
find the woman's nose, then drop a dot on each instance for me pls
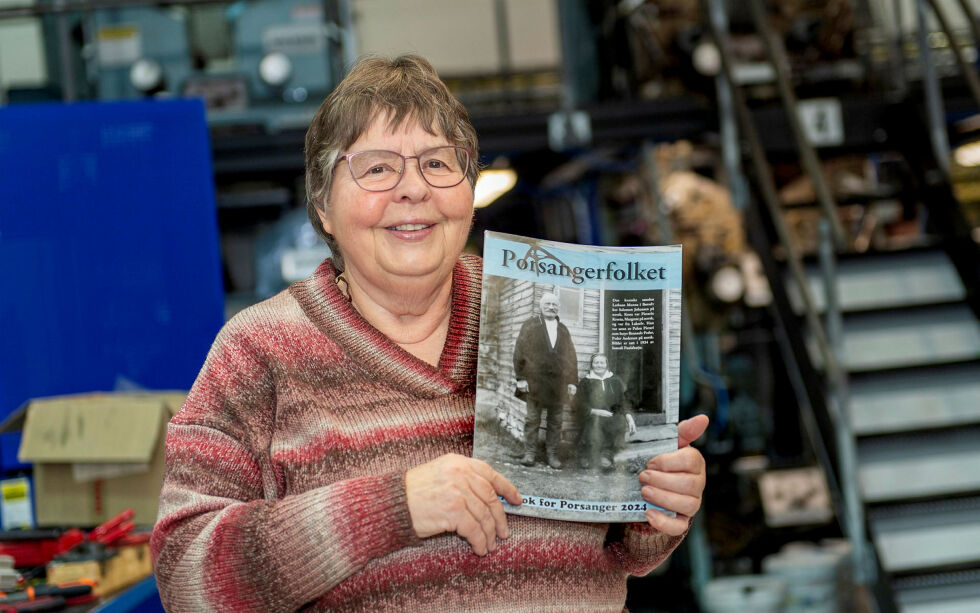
(413, 185)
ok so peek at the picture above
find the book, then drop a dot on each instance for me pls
(578, 372)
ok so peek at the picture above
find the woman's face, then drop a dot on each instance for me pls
(411, 231)
(599, 365)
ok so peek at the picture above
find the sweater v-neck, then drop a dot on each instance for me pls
(335, 316)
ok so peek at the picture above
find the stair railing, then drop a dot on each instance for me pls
(851, 512)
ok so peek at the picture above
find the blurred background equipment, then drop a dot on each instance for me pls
(817, 160)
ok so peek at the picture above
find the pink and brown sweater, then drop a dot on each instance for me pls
(285, 476)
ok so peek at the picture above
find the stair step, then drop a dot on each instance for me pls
(922, 465)
(914, 337)
(943, 604)
(927, 536)
(885, 281)
(898, 401)
(956, 592)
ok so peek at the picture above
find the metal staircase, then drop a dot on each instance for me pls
(911, 347)
(884, 352)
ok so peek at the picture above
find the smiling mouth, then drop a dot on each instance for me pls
(410, 227)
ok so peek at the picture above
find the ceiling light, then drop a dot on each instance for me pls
(968, 155)
(492, 184)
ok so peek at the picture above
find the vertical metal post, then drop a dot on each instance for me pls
(697, 542)
(864, 566)
(69, 93)
(569, 76)
(731, 152)
(934, 100)
(828, 270)
(503, 37)
(503, 46)
(900, 43)
(896, 45)
(349, 39)
(878, 13)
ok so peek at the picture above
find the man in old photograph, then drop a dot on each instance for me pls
(546, 368)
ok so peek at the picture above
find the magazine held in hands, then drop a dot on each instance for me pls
(577, 381)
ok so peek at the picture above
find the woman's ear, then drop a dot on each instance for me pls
(321, 212)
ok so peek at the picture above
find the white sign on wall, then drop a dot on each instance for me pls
(823, 121)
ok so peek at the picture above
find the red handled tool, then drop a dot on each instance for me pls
(113, 529)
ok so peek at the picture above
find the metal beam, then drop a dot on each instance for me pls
(57, 8)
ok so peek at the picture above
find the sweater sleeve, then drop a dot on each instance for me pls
(639, 548)
(224, 540)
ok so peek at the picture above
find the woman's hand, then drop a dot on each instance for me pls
(454, 493)
(676, 480)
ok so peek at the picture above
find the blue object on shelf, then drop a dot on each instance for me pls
(9, 445)
(142, 597)
(109, 257)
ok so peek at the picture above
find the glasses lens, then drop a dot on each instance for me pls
(376, 170)
(444, 166)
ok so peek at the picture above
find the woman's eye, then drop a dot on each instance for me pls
(378, 170)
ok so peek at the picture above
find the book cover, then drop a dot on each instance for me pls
(578, 373)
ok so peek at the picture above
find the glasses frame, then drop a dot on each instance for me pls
(418, 164)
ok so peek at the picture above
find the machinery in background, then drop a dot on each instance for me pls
(265, 63)
(138, 51)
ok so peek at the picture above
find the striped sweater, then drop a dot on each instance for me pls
(285, 480)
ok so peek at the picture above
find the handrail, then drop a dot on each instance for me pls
(771, 199)
(971, 18)
(933, 92)
(852, 511)
(972, 81)
(808, 156)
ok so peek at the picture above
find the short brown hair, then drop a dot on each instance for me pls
(403, 88)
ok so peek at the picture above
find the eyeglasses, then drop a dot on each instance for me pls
(379, 170)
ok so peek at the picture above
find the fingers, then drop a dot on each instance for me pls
(674, 481)
(691, 429)
(486, 500)
(684, 483)
(687, 459)
(681, 504)
(478, 525)
(459, 494)
(671, 526)
(500, 483)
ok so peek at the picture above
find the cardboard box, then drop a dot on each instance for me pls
(95, 455)
(130, 564)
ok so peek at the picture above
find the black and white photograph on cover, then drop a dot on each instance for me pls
(569, 399)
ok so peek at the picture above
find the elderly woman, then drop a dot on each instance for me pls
(321, 459)
(601, 405)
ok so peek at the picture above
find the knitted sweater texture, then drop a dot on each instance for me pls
(285, 482)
